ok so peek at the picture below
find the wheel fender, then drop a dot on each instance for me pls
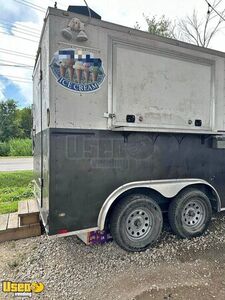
(167, 188)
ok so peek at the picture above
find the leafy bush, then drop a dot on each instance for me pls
(4, 149)
(20, 147)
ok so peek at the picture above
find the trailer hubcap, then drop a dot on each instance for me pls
(193, 214)
(139, 223)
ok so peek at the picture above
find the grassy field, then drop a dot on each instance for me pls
(14, 186)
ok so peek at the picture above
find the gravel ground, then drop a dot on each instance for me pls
(173, 269)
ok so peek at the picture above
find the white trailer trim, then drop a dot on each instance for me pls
(167, 188)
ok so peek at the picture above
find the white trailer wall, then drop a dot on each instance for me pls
(167, 85)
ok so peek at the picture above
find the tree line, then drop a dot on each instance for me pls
(14, 122)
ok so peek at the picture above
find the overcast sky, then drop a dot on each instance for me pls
(17, 18)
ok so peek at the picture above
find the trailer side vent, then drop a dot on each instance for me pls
(198, 123)
(83, 10)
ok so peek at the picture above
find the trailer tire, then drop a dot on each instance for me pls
(190, 213)
(136, 222)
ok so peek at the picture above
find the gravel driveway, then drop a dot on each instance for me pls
(173, 269)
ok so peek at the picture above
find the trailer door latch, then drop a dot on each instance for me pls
(109, 115)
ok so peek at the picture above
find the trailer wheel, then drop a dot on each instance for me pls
(190, 213)
(136, 222)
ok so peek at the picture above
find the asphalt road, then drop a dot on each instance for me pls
(16, 164)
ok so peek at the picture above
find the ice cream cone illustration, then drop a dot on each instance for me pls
(71, 73)
(86, 71)
(67, 64)
(62, 70)
(79, 75)
(79, 70)
(86, 75)
(95, 72)
(94, 75)
(71, 69)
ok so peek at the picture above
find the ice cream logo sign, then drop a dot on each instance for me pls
(77, 70)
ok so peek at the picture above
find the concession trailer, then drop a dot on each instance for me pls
(127, 127)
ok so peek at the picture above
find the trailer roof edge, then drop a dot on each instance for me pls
(125, 29)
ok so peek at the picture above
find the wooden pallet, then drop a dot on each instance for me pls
(22, 224)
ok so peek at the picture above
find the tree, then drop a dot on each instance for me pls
(161, 26)
(24, 119)
(191, 29)
(8, 123)
(199, 31)
(14, 122)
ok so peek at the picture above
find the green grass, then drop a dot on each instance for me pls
(14, 186)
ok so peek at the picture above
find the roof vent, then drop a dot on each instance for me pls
(83, 10)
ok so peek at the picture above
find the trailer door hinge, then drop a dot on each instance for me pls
(41, 75)
(109, 115)
(41, 182)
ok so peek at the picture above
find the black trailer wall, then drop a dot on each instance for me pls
(87, 165)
